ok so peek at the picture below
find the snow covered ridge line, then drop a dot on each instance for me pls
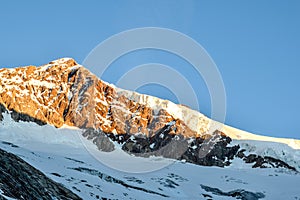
(237, 134)
(65, 93)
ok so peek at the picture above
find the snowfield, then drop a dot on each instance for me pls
(68, 158)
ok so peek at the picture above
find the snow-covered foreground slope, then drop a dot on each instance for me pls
(63, 156)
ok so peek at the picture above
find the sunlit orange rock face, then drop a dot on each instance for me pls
(41, 92)
(63, 92)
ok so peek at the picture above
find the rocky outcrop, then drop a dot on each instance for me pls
(263, 161)
(100, 139)
(210, 150)
(237, 194)
(38, 92)
(19, 180)
(213, 150)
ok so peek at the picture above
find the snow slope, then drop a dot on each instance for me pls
(63, 156)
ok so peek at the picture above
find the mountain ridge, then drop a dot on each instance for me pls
(108, 107)
(65, 93)
(73, 87)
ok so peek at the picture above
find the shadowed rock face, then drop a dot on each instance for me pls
(209, 150)
(2, 110)
(19, 180)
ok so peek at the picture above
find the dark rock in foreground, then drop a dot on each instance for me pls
(19, 180)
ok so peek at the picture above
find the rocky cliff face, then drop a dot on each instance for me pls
(40, 92)
(63, 92)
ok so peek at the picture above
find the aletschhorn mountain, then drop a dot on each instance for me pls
(50, 115)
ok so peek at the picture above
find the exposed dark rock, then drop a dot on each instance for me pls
(10, 144)
(212, 151)
(100, 139)
(134, 179)
(238, 194)
(208, 150)
(21, 181)
(75, 160)
(16, 116)
(278, 163)
(241, 154)
(168, 183)
(162, 143)
(207, 196)
(56, 174)
(265, 162)
(2, 110)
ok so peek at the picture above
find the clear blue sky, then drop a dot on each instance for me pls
(255, 44)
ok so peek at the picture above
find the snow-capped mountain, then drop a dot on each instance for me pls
(63, 120)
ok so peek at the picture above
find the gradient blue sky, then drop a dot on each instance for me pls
(255, 44)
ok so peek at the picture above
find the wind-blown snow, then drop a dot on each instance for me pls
(243, 135)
